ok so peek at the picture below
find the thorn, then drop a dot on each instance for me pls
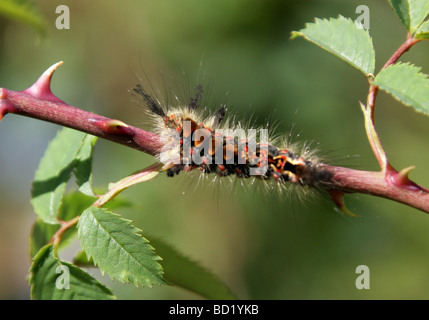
(41, 89)
(403, 174)
(3, 94)
(3, 112)
(113, 126)
(338, 198)
(401, 179)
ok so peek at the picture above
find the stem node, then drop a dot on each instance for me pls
(113, 126)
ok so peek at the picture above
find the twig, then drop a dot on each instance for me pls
(369, 109)
(39, 102)
(398, 187)
(65, 225)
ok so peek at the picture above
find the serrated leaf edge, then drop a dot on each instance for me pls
(295, 34)
(417, 70)
(137, 232)
(35, 263)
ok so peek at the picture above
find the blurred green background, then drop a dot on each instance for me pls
(262, 247)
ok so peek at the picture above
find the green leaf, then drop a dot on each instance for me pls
(83, 168)
(117, 248)
(49, 277)
(342, 38)
(183, 272)
(25, 12)
(423, 31)
(73, 205)
(411, 12)
(405, 82)
(53, 173)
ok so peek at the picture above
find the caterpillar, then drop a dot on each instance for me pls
(193, 140)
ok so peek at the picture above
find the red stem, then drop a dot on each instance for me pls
(39, 102)
(373, 90)
(401, 50)
(369, 110)
(68, 116)
(374, 183)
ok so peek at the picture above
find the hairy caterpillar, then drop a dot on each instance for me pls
(193, 140)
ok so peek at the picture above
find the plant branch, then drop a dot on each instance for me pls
(39, 102)
(397, 187)
(411, 41)
(369, 109)
(65, 225)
